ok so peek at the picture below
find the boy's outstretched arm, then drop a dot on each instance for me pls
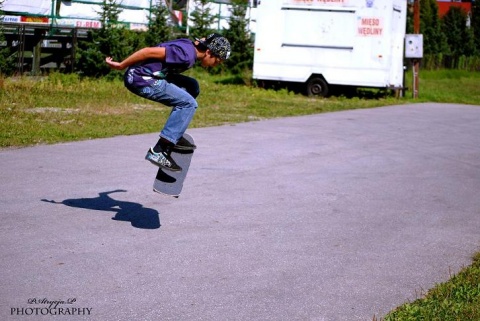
(136, 57)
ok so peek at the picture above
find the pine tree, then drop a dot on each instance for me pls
(7, 64)
(3, 53)
(475, 25)
(202, 19)
(112, 39)
(459, 38)
(434, 40)
(110, 35)
(239, 36)
(158, 27)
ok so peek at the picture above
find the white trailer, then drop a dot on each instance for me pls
(318, 44)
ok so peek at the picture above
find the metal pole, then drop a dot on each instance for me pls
(187, 30)
(73, 53)
(51, 14)
(21, 49)
(416, 62)
(150, 11)
(219, 16)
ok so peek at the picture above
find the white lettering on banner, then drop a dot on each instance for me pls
(368, 27)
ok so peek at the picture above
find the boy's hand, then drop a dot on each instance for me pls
(113, 64)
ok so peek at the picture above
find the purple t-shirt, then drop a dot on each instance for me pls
(180, 56)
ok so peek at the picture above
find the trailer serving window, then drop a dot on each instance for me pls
(319, 27)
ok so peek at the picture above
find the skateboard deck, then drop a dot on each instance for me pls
(169, 182)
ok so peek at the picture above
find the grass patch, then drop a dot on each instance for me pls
(63, 108)
(450, 86)
(455, 300)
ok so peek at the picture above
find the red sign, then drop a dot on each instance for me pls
(34, 19)
(443, 7)
(370, 26)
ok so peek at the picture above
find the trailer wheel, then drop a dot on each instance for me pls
(317, 86)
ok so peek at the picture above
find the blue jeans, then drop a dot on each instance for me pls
(176, 91)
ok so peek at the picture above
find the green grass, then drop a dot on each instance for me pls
(450, 86)
(455, 300)
(64, 108)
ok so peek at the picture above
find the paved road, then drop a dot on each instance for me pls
(338, 216)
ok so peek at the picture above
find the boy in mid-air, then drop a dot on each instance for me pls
(155, 73)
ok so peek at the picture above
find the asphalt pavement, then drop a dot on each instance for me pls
(336, 216)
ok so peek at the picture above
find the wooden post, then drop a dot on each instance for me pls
(37, 51)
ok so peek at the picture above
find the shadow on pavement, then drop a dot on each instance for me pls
(139, 216)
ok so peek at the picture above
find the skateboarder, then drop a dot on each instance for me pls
(155, 73)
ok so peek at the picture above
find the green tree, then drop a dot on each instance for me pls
(159, 29)
(459, 37)
(3, 53)
(112, 39)
(409, 18)
(475, 24)
(202, 19)
(434, 40)
(7, 60)
(239, 36)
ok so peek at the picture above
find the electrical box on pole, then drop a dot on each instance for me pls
(414, 51)
(415, 43)
(414, 46)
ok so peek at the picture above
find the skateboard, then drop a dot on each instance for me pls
(169, 182)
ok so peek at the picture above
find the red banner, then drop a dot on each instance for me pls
(34, 19)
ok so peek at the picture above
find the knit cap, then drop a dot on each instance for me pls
(218, 45)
